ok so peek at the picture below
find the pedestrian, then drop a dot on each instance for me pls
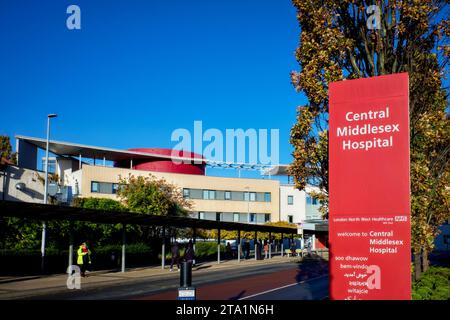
(247, 249)
(260, 248)
(84, 258)
(228, 251)
(266, 249)
(293, 247)
(309, 247)
(175, 256)
(189, 254)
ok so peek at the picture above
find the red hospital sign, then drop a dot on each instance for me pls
(369, 191)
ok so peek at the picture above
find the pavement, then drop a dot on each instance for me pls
(42, 287)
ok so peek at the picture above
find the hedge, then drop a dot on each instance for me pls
(433, 285)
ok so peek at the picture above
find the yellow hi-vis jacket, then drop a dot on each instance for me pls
(81, 254)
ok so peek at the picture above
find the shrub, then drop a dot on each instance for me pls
(433, 285)
(205, 249)
(98, 204)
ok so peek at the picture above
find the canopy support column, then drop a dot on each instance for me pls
(124, 242)
(163, 249)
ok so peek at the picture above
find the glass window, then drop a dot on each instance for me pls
(243, 217)
(115, 187)
(308, 200)
(235, 217)
(227, 195)
(246, 196)
(205, 194)
(217, 216)
(51, 165)
(267, 217)
(290, 200)
(252, 217)
(95, 186)
(291, 219)
(201, 215)
(252, 196)
(314, 201)
(186, 193)
(212, 195)
(267, 197)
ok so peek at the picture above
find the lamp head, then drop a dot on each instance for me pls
(52, 115)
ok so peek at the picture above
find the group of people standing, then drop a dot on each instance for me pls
(260, 246)
(189, 254)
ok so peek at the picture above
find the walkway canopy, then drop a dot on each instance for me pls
(51, 212)
(43, 212)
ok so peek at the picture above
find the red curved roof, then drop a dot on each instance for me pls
(168, 152)
(166, 165)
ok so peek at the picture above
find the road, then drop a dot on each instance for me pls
(284, 281)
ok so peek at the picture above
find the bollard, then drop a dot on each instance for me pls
(186, 274)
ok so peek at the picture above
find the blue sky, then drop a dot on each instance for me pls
(137, 70)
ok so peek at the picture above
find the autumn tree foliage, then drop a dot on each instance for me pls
(152, 196)
(6, 150)
(337, 43)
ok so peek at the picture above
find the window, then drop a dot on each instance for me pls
(308, 200)
(252, 196)
(235, 217)
(201, 215)
(217, 216)
(246, 196)
(252, 217)
(311, 200)
(95, 186)
(186, 193)
(227, 195)
(115, 187)
(291, 219)
(267, 197)
(51, 165)
(267, 217)
(209, 194)
(290, 200)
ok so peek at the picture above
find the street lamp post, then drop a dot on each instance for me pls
(44, 225)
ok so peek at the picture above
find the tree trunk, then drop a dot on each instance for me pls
(417, 266)
(425, 261)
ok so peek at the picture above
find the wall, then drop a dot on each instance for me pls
(108, 174)
(34, 188)
(297, 209)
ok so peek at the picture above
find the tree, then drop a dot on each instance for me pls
(6, 150)
(232, 235)
(335, 44)
(149, 195)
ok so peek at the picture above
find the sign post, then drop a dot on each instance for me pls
(369, 189)
(186, 291)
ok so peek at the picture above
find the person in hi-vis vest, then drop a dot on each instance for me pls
(84, 258)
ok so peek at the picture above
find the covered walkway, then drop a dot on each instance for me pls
(43, 212)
